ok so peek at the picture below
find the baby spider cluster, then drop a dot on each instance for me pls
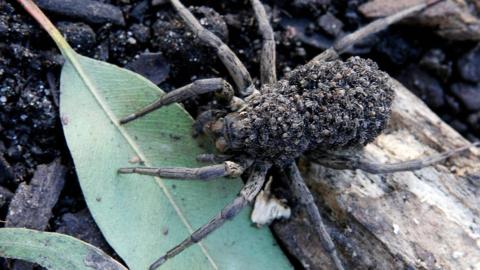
(323, 105)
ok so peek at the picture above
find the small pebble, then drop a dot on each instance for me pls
(424, 85)
(79, 35)
(330, 24)
(132, 41)
(436, 62)
(468, 66)
(468, 94)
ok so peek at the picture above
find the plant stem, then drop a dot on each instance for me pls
(43, 20)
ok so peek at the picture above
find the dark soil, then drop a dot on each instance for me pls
(147, 36)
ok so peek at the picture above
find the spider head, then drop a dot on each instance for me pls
(239, 132)
(229, 133)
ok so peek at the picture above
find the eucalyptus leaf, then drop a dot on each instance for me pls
(141, 216)
(53, 251)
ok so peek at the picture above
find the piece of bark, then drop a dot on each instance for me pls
(425, 219)
(451, 19)
(89, 11)
(31, 206)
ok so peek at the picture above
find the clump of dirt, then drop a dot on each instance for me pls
(178, 42)
(29, 128)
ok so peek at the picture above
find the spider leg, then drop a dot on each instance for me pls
(304, 196)
(247, 195)
(228, 168)
(376, 26)
(342, 162)
(268, 72)
(235, 67)
(213, 158)
(196, 88)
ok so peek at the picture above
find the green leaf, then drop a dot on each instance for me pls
(53, 250)
(141, 216)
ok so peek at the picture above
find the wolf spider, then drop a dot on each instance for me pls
(326, 104)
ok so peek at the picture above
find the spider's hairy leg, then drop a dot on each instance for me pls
(343, 162)
(247, 195)
(198, 87)
(228, 168)
(346, 42)
(235, 67)
(213, 158)
(304, 196)
(268, 73)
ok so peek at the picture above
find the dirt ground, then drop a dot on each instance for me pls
(147, 37)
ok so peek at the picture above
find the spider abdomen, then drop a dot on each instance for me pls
(327, 105)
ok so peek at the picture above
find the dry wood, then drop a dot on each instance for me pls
(426, 219)
(31, 206)
(451, 19)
